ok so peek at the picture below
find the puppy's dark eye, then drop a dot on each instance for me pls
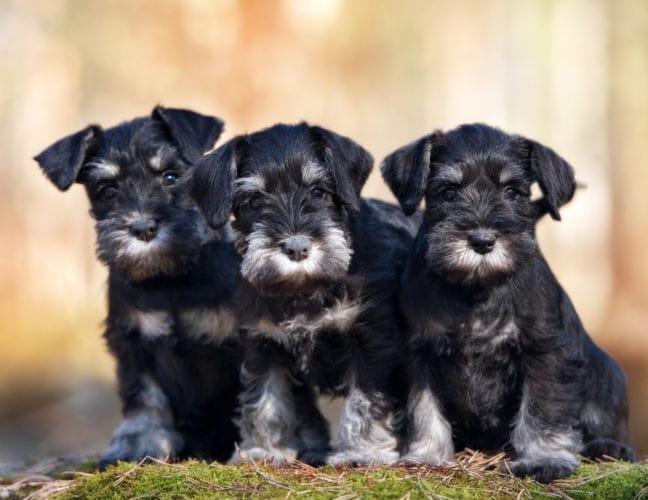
(106, 192)
(169, 178)
(449, 193)
(510, 193)
(255, 202)
(318, 193)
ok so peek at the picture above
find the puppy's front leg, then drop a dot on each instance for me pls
(147, 429)
(268, 424)
(429, 436)
(545, 436)
(367, 429)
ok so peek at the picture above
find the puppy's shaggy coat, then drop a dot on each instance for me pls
(498, 352)
(169, 324)
(316, 293)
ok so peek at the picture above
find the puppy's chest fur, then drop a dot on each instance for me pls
(476, 359)
(318, 339)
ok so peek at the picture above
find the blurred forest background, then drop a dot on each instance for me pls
(570, 73)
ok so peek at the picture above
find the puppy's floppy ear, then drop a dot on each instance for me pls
(212, 183)
(192, 132)
(349, 163)
(554, 175)
(62, 161)
(407, 170)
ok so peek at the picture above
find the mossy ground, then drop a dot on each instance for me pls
(474, 476)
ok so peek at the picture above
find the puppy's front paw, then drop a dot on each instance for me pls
(261, 455)
(133, 445)
(355, 458)
(429, 451)
(544, 470)
(425, 459)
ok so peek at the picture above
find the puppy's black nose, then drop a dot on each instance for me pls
(296, 247)
(144, 229)
(482, 241)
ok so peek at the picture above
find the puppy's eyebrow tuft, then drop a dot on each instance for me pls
(451, 174)
(102, 169)
(511, 174)
(313, 172)
(248, 184)
(160, 158)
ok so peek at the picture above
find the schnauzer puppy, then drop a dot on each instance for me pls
(498, 353)
(316, 294)
(170, 325)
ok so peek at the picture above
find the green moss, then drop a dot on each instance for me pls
(610, 481)
(200, 480)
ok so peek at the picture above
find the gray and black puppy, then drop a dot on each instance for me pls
(498, 353)
(317, 292)
(169, 325)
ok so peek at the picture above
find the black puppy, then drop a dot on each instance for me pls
(169, 325)
(497, 348)
(316, 293)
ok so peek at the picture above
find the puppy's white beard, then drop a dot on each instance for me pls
(133, 248)
(289, 270)
(464, 258)
(263, 258)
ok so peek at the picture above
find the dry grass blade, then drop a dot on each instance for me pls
(348, 496)
(129, 472)
(642, 493)
(49, 489)
(580, 481)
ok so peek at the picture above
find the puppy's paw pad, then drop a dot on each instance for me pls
(543, 471)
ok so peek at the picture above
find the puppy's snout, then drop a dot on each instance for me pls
(296, 247)
(482, 241)
(144, 229)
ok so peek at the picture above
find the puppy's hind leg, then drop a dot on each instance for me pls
(604, 416)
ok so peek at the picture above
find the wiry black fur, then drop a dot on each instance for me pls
(177, 369)
(305, 180)
(498, 343)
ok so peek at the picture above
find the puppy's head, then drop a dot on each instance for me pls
(479, 216)
(291, 189)
(137, 177)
